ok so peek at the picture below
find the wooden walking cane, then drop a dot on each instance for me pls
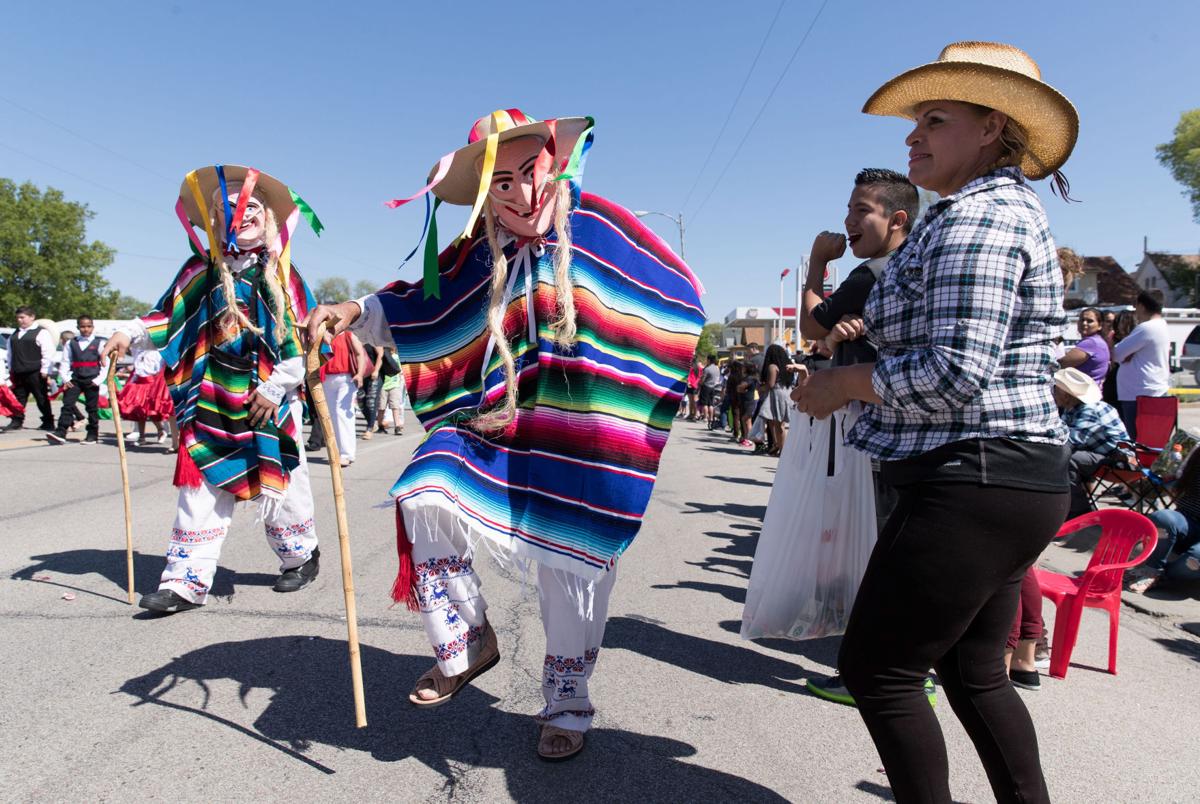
(116, 415)
(321, 414)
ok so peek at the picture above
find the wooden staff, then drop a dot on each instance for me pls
(321, 411)
(116, 414)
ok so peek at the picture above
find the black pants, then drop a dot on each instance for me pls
(1082, 467)
(941, 591)
(90, 392)
(32, 382)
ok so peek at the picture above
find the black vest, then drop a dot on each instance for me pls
(26, 352)
(85, 363)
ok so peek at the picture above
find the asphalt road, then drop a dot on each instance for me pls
(249, 698)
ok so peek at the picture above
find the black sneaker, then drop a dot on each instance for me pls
(49, 428)
(1025, 679)
(166, 601)
(299, 577)
(57, 437)
(92, 438)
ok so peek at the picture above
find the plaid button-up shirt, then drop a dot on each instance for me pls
(1094, 428)
(964, 317)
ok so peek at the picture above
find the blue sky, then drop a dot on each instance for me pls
(352, 104)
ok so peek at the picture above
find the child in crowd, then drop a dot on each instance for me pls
(880, 213)
(145, 398)
(82, 372)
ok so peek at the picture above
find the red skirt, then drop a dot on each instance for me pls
(146, 399)
(9, 406)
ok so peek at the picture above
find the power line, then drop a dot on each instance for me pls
(765, 103)
(729, 115)
(130, 198)
(79, 136)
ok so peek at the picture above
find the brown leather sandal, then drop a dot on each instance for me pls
(550, 743)
(447, 688)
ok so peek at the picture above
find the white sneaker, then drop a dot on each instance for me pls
(132, 438)
(162, 438)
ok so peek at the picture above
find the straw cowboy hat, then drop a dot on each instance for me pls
(460, 185)
(1078, 385)
(274, 192)
(997, 76)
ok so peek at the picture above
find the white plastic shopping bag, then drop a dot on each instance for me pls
(817, 534)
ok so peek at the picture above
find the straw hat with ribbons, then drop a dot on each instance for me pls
(210, 185)
(464, 176)
(1000, 77)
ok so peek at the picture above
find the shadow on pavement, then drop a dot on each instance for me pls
(729, 509)
(823, 650)
(723, 566)
(110, 564)
(731, 664)
(877, 790)
(740, 544)
(311, 704)
(745, 481)
(735, 593)
(1182, 646)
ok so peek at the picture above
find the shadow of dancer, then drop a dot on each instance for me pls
(311, 705)
(110, 565)
(730, 664)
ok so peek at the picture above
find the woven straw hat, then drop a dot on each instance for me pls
(997, 76)
(1078, 385)
(460, 185)
(275, 192)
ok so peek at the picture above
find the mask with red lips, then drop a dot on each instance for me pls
(521, 208)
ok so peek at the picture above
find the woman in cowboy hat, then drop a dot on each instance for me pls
(225, 331)
(961, 413)
(546, 354)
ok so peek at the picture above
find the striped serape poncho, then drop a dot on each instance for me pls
(567, 483)
(212, 373)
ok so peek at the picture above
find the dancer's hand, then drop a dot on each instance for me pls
(117, 344)
(262, 410)
(338, 317)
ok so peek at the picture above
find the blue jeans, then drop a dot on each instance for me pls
(1128, 411)
(1178, 533)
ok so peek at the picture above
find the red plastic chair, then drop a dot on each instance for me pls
(1157, 417)
(1122, 532)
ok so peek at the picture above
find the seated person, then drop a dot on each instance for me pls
(1096, 432)
(1177, 556)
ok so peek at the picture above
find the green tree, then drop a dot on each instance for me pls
(710, 341)
(1182, 157)
(332, 289)
(364, 287)
(45, 259)
(127, 307)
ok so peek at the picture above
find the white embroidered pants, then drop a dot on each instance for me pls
(339, 395)
(202, 521)
(453, 612)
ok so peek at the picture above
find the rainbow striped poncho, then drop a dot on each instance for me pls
(212, 373)
(568, 482)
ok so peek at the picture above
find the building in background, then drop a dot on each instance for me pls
(1103, 283)
(1174, 275)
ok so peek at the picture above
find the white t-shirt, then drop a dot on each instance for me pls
(1148, 371)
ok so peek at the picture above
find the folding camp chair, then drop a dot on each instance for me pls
(1157, 417)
